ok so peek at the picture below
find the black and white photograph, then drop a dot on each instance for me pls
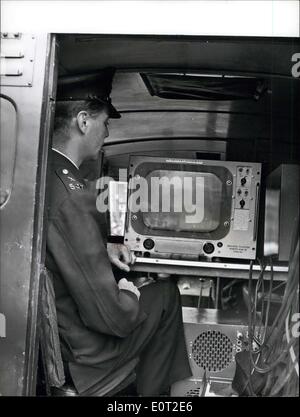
(149, 201)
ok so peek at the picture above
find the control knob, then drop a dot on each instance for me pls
(208, 248)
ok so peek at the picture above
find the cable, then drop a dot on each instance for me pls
(290, 295)
(275, 345)
(290, 287)
(279, 286)
(250, 328)
(271, 354)
(254, 313)
(260, 283)
(279, 385)
(269, 299)
(267, 369)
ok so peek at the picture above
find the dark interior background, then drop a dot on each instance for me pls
(265, 131)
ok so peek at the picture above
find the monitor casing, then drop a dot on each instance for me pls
(236, 236)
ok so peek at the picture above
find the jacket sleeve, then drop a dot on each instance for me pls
(75, 244)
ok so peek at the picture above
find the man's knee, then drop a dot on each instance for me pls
(161, 293)
(172, 296)
(162, 287)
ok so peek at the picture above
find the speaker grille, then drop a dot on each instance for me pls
(212, 350)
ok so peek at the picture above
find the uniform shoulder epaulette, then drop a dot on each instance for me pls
(71, 183)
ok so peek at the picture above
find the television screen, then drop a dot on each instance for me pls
(183, 201)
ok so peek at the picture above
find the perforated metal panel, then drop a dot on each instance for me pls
(195, 388)
(193, 392)
(212, 350)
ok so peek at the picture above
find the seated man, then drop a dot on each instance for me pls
(103, 324)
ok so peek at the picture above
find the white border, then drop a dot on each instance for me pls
(198, 17)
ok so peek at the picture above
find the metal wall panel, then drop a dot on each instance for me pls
(18, 239)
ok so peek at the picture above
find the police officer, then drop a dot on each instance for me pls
(103, 324)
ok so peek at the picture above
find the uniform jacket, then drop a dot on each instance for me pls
(93, 314)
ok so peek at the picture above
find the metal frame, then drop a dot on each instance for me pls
(48, 107)
(206, 269)
(22, 220)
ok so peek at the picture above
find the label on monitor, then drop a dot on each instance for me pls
(238, 249)
(241, 219)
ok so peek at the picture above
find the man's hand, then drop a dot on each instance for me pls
(119, 255)
(123, 284)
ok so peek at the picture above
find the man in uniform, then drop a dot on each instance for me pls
(103, 324)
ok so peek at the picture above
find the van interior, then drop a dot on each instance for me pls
(210, 99)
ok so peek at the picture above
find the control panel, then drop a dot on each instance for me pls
(243, 188)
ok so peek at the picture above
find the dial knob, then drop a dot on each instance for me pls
(148, 244)
(208, 248)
